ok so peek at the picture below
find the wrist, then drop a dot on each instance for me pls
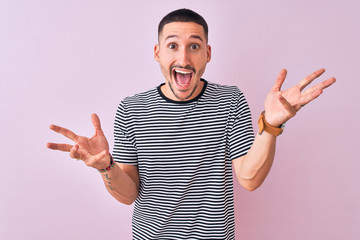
(264, 126)
(111, 165)
(270, 121)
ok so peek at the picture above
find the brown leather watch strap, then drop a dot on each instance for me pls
(265, 126)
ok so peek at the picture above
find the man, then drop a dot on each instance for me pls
(175, 145)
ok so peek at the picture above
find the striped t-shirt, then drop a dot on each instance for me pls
(183, 151)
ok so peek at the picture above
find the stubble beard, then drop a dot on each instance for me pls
(173, 90)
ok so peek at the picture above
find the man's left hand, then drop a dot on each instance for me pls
(280, 106)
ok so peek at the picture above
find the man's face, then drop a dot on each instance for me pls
(182, 53)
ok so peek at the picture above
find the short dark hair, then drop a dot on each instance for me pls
(183, 15)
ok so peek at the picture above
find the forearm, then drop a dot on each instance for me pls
(252, 169)
(120, 185)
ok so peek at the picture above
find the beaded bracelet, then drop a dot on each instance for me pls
(111, 165)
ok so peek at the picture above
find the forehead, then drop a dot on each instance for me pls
(182, 29)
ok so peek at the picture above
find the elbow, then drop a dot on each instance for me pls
(250, 184)
(250, 179)
(250, 187)
(129, 199)
(248, 174)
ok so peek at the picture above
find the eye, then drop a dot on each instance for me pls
(194, 46)
(172, 46)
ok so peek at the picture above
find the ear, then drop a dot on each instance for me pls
(156, 52)
(208, 50)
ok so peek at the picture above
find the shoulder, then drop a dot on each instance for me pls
(139, 104)
(216, 90)
(226, 97)
(141, 98)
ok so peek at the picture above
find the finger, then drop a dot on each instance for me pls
(307, 80)
(95, 160)
(317, 89)
(280, 80)
(96, 122)
(66, 132)
(60, 147)
(309, 97)
(289, 109)
(323, 85)
(74, 152)
(327, 83)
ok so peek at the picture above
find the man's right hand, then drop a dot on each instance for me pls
(93, 151)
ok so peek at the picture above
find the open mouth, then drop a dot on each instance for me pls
(182, 78)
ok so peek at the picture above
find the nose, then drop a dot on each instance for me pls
(183, 57)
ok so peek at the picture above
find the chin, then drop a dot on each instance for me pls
(181, 93)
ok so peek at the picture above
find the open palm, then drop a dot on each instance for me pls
(92, 151)
(280, 106)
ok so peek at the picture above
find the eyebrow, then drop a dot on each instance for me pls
(176, 36)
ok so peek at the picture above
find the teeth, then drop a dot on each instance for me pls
(182, 72)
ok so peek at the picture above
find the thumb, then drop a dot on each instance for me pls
(96, 122)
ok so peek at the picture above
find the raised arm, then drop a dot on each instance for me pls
(252, 169)
(122, 181)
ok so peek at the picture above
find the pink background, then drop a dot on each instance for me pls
(60, 61)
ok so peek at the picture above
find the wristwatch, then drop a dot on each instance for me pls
(265, 126)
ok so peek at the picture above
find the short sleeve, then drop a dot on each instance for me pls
(241, 133)
(124, 140)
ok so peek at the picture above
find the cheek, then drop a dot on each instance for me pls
(202, 59)
(166, 61)
(201, 71)
(165, 69)
(201, 65)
